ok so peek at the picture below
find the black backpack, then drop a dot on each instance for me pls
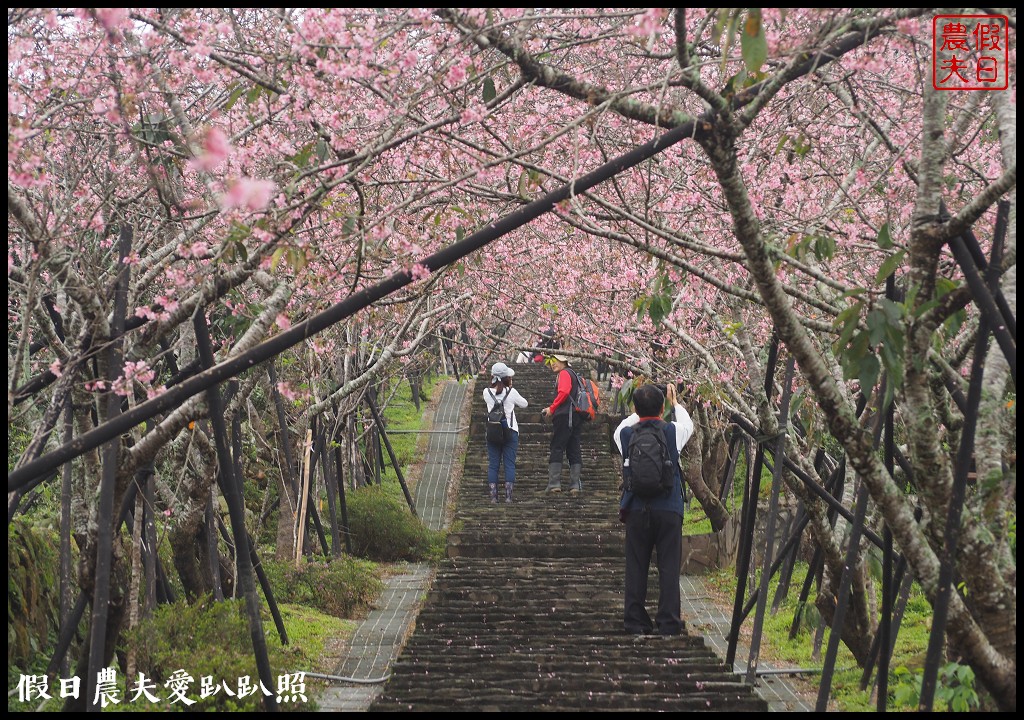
(497, 425)
(650, 471)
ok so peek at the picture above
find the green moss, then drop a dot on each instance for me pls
(33, 600)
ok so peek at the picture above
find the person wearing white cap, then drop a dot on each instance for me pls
(503, 454)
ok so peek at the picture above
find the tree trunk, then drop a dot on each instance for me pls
(696, 466)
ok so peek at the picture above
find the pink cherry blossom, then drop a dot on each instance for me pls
(249, 194)
(215, 150)
(111, 18)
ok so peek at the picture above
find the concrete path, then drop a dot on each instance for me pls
(378, 639)
(703, 616)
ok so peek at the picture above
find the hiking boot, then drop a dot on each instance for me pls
(554, 478)
(575, 484)
(494, 493)
(508, 492)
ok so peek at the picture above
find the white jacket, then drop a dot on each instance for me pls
(509, 400)
(683, 423)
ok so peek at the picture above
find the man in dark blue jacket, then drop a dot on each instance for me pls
(655, 522)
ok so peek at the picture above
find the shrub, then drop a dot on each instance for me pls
(383, 529)
(207, 639)
(954, 691)
(343, 587)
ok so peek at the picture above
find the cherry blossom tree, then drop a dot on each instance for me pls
(259, 166)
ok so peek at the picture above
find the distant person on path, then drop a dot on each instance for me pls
(653, 521)
(565, 433)
(547, 342)
(501, 391)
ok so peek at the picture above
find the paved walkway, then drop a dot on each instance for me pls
(702, 615)
(379, 638)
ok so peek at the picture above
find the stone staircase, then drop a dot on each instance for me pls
(525, 614)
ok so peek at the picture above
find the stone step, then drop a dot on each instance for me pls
(482, 698)
(525, 612)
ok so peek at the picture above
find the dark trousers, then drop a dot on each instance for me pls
(566, 440)
(647, 530)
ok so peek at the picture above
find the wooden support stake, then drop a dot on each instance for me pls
(305, 495)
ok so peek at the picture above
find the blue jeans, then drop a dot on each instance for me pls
(498, 455)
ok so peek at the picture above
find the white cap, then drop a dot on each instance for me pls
(501, 370)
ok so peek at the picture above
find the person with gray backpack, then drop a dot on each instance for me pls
(652, 506)
(502, 428)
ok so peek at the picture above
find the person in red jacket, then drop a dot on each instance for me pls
(565, 434)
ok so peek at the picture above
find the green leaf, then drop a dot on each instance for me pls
(233, 97)
(301, 158)
(824, 248)
(489, 91)
(944, 286)
(852, 356)
(658, 309)
(782, 143)
(884, 238)
(876, 326)
(721, 18)
(868, 375)
(753, 44)
(238, 232)
(640, 306)
(889, 266)
(874, 564)
(893, 312)
(727, 19)
(276, 258)
(848, 319)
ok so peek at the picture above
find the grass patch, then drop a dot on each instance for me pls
(696, 521)
(778, 648)
(403, 420)
(319, 640)
(312, 633)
